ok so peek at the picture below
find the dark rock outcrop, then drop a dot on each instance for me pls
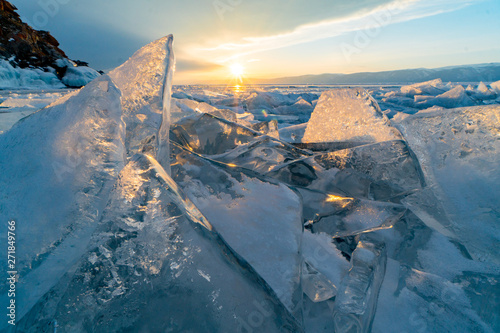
(24, 47)
(29, 46)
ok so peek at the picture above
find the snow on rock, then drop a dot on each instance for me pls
(459, 152)
(24, 78)
(58, 165)
(145, 81)
(79, 76)
(348, 115)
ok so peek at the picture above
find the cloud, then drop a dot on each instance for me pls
(187, 65)
(395, 12)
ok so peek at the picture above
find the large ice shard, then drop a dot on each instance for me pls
(145, 81)
(260, 219)
(348, 115)
(460, 162)
(58, 166)
(155, 264)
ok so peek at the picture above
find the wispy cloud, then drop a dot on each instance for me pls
(395, 12)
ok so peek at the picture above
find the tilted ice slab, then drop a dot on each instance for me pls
(155, 264)
(58, 165)
(348, 115)
(260, 220)
(459, 152)
(145, 81)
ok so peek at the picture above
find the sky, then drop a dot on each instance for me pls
(274, 38)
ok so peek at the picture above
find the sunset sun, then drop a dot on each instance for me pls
(237, 70)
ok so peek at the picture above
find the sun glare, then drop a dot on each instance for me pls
(237, 70)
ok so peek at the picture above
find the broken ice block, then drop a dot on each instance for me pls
(210, 135)
(145, 81)
(453, 98)
(261, 155)
(348, 115)
(357, 296)
(458, 150)
(381, 171)
(152, 258)
(340, 216)
(431, 88)
(315, 285)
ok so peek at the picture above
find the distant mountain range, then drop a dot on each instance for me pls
(468, 73)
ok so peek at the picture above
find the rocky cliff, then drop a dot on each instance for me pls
(26, 48)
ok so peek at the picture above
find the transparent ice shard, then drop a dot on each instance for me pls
(261, 155)
(269, 128)
(145, 81)
(425, 205)
(357, 296)
(58, 166)
(324, 257)
(340, 216)
(210, 135)
(293, 134)
(458, 150)
(258, 218)
(348, 115)
(381, 171)
(315, 285)
(153, 257)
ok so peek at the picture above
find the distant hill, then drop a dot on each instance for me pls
(468, 73)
